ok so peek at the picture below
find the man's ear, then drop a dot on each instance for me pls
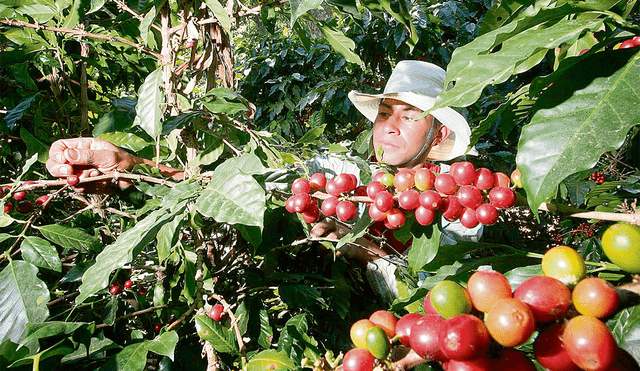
(443, 134)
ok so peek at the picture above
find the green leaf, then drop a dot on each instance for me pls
(269, 360)
(134, 357)
(359, 229)
(266, 330)
(222, 339)
(61, 348)
(167, 237)
(23, 299)
(123, 250)
(34, 145)
(583, 115)
(233, 196)
(126, 140)
(501, 13)
(341, 43)
(15, 114)
(70, 238)
(11, 352)
(625, 327)
(97, 344)
(425, 245)
(40, 253)
(300, 8)
(405, 18)
(96, 5)
(213, 148)
(39, 12)
(145, 27)
(312, 135)
(517, 275)
(495, 68)
(73, 18)
(220, 12)
(530, 20)
(149, 107)
(299, 296)
(39, 331)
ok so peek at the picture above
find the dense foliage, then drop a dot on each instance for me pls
(242, 96)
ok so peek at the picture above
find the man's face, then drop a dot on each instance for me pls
(401, 138)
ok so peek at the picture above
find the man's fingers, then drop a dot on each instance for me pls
(322, 227)
(58, 169)
(102, 160)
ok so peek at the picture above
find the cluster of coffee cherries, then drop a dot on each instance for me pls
(472, 196)
(22, 204)
(478, 327)
(116, 288)
(629, 43)
(585, 229)
(598, 177)
(24, 200)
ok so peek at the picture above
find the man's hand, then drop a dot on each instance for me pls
(329, 228)
(87, 157)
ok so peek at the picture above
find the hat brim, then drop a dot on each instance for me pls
(454, 146)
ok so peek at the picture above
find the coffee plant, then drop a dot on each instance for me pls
(133, 270)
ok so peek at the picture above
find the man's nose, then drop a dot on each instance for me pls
(390, 124)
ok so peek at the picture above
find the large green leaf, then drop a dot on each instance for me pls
(516, 52)
(301, 7)
(41, 13)
(23, 299)
(123, 250)
(40, 253)
(233, 195)
(126, 140)
(270, 360)
(587, 112)
(424, 247)
(16, 113)
(34, 145)
(341, 43)
(73, 17)
(221, 338)
(54, 328)
(220, 12)
(11, 352)
(134, 357)
(70, 238)
(625, 327)
(150, 101)
(529, 19)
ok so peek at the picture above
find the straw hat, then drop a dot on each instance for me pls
(418, 83)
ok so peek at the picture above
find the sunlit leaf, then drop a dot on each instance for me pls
(150, 101)
(583, 115)
(268, 360)
(40, 253)
(70, 238)
(23, 299)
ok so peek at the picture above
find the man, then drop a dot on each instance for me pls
(408, 143)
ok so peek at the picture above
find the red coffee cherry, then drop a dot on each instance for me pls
(216, 312)
(73, 180)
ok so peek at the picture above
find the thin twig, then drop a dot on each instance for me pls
(81, 33)
(41, 184)
(135, 15)
(134, 314)
(179, 320)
